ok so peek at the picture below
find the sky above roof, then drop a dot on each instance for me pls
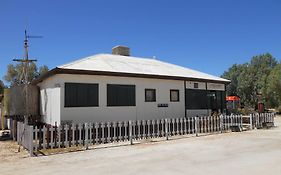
(208, 36)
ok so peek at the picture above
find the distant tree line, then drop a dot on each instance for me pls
(257, 80)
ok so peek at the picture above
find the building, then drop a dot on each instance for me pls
(119, 87)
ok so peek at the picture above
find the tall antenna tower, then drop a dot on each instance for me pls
(25, 61)
(24, 79)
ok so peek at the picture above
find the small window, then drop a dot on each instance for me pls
(195, 85)
(174, 95)
(121, 95)
(150, 95)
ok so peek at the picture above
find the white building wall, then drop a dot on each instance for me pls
(142, 111)
(50, 101)
(190, 85)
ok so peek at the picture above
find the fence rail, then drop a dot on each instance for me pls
(88, 134)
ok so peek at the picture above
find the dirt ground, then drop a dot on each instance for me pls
(255, 152)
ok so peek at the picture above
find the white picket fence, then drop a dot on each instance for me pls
(259, 120)
(88, 134)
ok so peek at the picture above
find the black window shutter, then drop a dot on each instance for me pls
(121, 95)
(81, 95)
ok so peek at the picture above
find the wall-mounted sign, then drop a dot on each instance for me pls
(215, 86)
(163, 105)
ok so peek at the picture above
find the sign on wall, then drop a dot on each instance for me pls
(215, 86)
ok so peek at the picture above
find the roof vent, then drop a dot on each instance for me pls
(121, 50)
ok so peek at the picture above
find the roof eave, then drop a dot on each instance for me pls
(58, 70)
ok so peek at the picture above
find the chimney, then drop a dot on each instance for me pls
(121, 50)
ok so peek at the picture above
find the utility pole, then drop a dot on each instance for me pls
(25, 61)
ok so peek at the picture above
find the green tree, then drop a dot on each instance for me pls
(2, 86)
(232, 74)
(260, 68)
(42, 70)
(250, 81)
(15, 75)
(274, 87)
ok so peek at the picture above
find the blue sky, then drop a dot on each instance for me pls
(203, 35)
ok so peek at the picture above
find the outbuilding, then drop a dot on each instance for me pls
(119, 87)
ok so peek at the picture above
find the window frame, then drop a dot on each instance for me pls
(154, 95)
(111, 104)
(178, 92)
(196, 85)
(69, 105)
(201, 99)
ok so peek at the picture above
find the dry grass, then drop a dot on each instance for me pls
(9, 151)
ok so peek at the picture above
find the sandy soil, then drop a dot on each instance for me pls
(9, 152)
(251, 152)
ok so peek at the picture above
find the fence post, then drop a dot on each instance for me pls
(31, 140)
(166, 129)
(130, 132)
(251, 121)
(273, 116)
(86, 135)
(221, 123)
(241, 122)
(44, 137)
(196, 126)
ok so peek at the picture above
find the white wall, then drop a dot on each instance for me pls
(50, 101)
(142, 111)
(190, 85)
(53, 110)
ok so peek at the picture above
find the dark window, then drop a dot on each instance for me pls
(216, 100)
(196, 99)
(81, 95)
(121, 95)
(150, 95)
(196, 85)
(205, 99)
(174, 95)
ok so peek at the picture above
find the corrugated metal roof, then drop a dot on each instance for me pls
(135, 65)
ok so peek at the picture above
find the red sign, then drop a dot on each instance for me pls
(232, 98)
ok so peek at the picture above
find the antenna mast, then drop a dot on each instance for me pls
(25, 61)
(24, 74)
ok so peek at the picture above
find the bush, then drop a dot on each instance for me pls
(246, 111)
(278, 110)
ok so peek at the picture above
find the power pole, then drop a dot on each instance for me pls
(24, 75)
